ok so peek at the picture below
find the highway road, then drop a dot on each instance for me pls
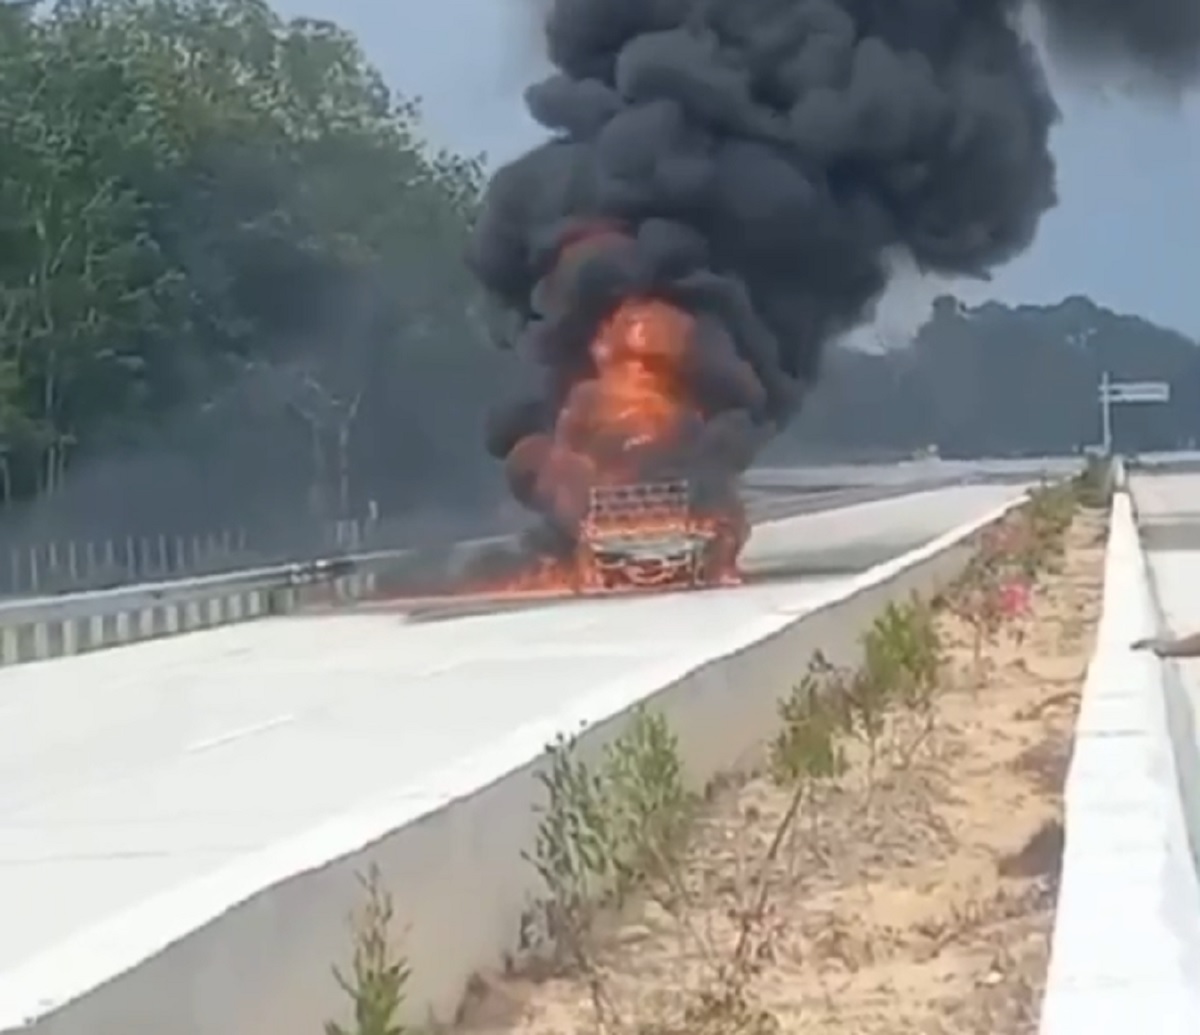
(906, 472)
(127, 772)
(1168, 509)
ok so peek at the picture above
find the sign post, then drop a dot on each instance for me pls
(1126, 392)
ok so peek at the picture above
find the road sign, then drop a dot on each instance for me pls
(1126, 392)
(1137, 391)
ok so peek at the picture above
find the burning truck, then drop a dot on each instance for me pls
(646, 536)
(632, 537)
(622, 472)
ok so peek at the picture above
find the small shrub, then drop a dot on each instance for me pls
(607, 830)
(996, 587)
(990, 594)
(806, 750)
(920, 650)
(379, 975)
(1056, 506)
(574, 854)
(622, 826)
(652, 809)
(908, 641)
(877, 684)
(902, 662)
(1049, 513)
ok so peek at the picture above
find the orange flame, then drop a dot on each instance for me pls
(636, 402)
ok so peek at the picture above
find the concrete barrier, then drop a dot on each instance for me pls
(248, 950)
(1126, 946)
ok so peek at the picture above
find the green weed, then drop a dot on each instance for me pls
(379, 974)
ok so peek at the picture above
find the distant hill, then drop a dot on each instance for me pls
(997, 380)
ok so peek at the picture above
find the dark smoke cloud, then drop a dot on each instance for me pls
(762, 160)
(1158, 37)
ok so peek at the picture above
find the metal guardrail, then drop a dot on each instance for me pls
(74, 623)
(40, 567)
(55, 626)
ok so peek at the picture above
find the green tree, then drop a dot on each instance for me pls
(194, 194)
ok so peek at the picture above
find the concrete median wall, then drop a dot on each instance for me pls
(248, 951)
(1126, 947)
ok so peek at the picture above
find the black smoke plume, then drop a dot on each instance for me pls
(1159, 37)
(760, 161)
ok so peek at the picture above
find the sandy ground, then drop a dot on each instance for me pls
(921, 903)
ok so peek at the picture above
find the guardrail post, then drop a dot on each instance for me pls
(70, 638)
(281, 600)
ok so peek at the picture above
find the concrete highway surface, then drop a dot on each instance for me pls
(907, 472)
(127, 772)
(1168, 510)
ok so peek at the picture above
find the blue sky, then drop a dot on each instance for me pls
(1126, 231)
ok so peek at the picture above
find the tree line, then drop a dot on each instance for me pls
(230, 273)
(997, 380)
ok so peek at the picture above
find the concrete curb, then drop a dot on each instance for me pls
(248, 950)
(1125, 954)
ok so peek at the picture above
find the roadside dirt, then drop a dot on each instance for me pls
(919, 903)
